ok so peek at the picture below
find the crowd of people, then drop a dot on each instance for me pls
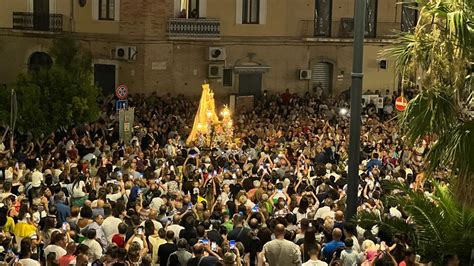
(274, 196)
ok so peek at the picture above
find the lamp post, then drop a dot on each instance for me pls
(356, 99)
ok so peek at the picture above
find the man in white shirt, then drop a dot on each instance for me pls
(325, 211)
(281, 251)
(110, 224)
(175, 227)
(313, 258)
(36, 178)
(58, 243)
(156, 203)
(95, 249)
(97, 226)
(153, 216)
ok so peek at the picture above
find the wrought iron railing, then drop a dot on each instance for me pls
(37, 22)
(200, 28)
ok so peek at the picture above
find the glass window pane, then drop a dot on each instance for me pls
(254, 11)
(103, 9)
(322, 20)
(409, 16)
(370, 17)
(245, 11)
(111, 9)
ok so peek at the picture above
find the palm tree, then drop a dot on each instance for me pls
(436, 226)
(439, 55)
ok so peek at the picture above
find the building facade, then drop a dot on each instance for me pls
(239, 46)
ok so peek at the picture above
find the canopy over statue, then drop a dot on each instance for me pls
(206, 116)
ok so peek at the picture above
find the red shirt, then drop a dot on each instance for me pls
(119, 240)
(66, 260)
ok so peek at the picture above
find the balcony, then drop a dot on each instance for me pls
(37, 22)
(343, 31)
(194, 29)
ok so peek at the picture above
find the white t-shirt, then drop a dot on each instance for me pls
(29, 262)
(54, 249)
(315, 263)
(300, 216)
(324, 212)
(157, 224)
(156, 203)
(9, 173)
(78, 190)
(114, 197)
(95, 249)
(110, 227)
(176, 228)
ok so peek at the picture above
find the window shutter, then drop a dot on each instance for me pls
(263, 12)
(177, 8)
(30, 5)
(95, 9)
(202, 8)
(52, 6)
(117, 10)
(238, 9)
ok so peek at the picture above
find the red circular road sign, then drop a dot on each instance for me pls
(401, 103)
(121, 92)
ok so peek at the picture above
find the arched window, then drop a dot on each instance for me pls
(39, 60)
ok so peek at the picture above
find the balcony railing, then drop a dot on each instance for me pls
(200, 28)
(37, 22)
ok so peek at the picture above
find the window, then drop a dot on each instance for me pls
(322, 18)
(409, 16)
(250, 11)
(106, 9)
(228, 77)
(370, 18)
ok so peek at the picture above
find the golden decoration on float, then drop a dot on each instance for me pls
(208, 130)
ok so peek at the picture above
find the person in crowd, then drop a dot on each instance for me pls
(281, 251)
(333, 245)
(26, 252)
(166, 249)
(349, 256)
(314, 258)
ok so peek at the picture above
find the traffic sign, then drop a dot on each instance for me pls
(401, 103)
(121, 104)
(121, 92)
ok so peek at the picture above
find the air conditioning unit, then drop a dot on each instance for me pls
(217, 54)
(215, 71)
(305, 74)
(126, 53)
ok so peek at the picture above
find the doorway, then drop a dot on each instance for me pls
(104, 78)
(41, 15)
(322, 77)
(250, 84)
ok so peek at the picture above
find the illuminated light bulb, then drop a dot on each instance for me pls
(343, 111)
(209, 113)
(225, 113)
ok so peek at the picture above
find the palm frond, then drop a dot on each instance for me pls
(430, 112)
(439, 225)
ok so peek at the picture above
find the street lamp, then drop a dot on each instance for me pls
(356, 99)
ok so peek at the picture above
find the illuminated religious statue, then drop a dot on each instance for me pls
(206, 117)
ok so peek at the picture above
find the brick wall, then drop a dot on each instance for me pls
(145, 18)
